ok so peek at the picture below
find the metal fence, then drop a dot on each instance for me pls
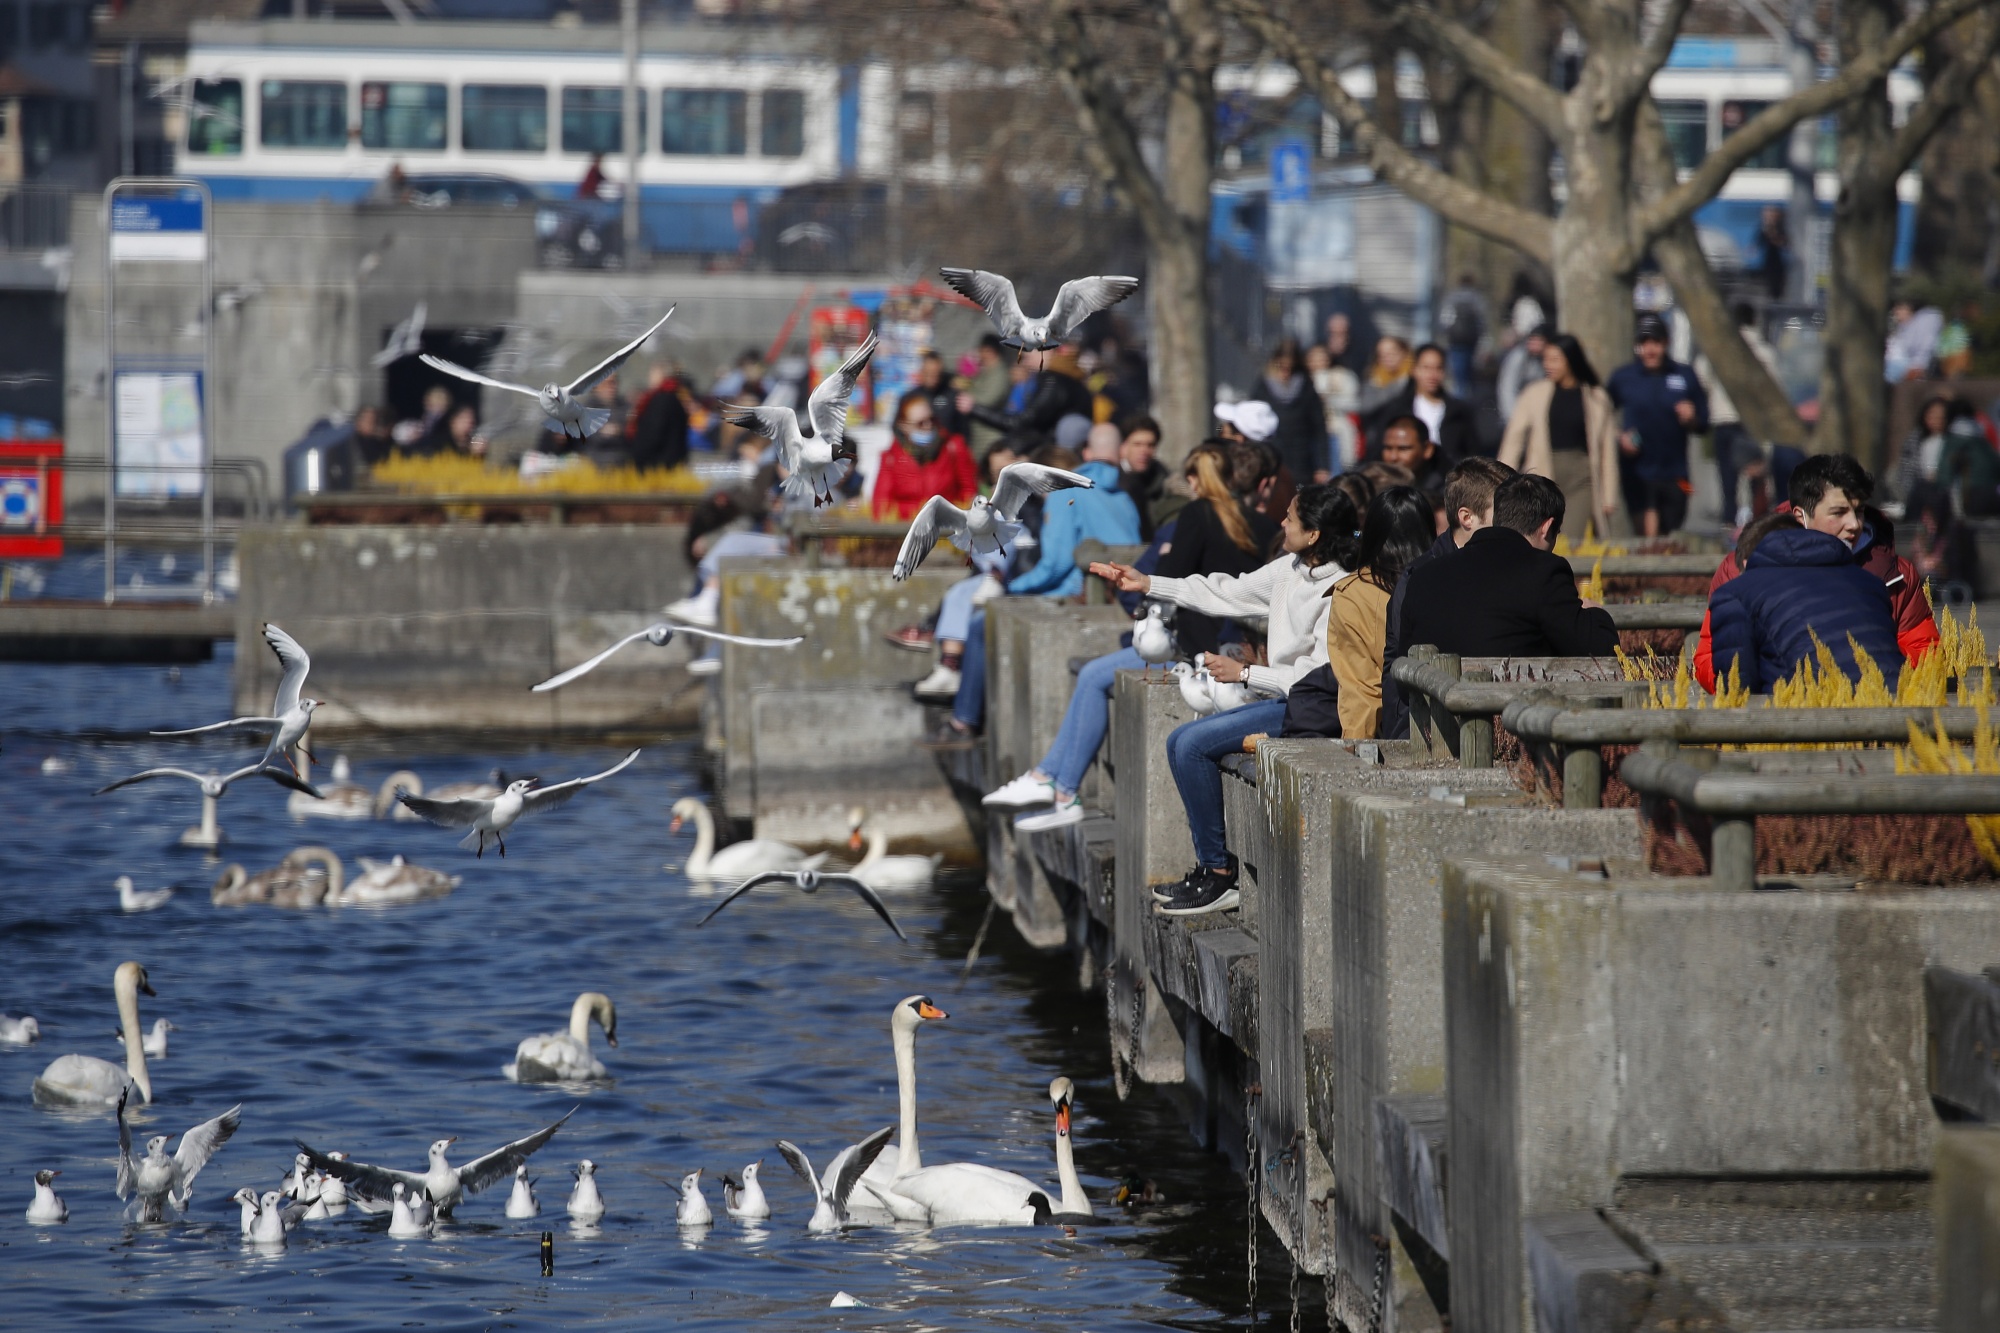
(34, 217)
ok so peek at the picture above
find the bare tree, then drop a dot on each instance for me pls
(1622, 198)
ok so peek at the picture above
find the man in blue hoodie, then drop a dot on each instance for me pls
(1801, 584)
(1663, 404)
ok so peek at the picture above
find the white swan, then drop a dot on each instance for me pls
(952, 1193)
(342, 798)
(565, 1057)
(585, 1203)
(48, 1207)
(693, 1210)
(85, 1080)
(156, 1039)
(22, 1031)
(521, 1202)
(745, 1198)
(1074, 1200)
(450, 791)
(206, 835)
(131, 899)
(832, 1191)
(738, 861)
(392, 883)
(880, 871)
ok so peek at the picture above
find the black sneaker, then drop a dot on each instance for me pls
(1218, 893)
(1185, 887)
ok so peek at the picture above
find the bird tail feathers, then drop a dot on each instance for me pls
(471, 840)
(593, 420)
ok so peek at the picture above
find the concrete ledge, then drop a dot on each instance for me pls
(1411, 1139)
(1216, 978)
(1966, 1210)
(1084, 857)
(1586, 1279)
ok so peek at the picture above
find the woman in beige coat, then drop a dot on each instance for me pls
(1566, 427)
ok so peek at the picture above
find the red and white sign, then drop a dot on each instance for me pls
(31, 499)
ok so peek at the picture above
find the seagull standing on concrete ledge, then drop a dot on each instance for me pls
(659, 636)
(989, 524)
(495, 816)
(811, 452)
(811, 881)
(1078, 300)
(561, 404)
(290, 714)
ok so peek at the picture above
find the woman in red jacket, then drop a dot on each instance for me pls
(921, 463)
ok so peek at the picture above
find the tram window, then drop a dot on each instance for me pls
(504, 118)
(1687, 132)
(593, 120)
(296, 114)
(784, 129)
(403, 116)
(215, 116)
(1773, 155)
(704, 121)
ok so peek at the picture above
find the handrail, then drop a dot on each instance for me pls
(1557, 722)
(1683, 614)
(1644, 566)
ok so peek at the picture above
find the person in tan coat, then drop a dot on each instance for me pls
(1565, 428)
(1397, 528)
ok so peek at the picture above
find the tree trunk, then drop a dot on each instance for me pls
(1593, 276)
(1177, 246)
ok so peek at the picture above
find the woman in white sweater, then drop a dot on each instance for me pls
(1320, 532)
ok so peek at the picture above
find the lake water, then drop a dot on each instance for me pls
(378, 1031)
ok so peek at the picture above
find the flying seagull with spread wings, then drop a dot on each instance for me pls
(492, 817)
(290, 714)
(159, 1179)
(562, 404)
(810, 881)
(1076, 301)
(447, 1184)
(811, 450)
(659, 636)
(213, 785)
(990, 524)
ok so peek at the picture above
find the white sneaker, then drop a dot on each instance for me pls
(1066, 812)
(1023, 791)
(704, 666)
(702, 609)
(941, 684)
(989, 588)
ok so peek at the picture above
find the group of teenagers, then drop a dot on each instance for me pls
(1366, 565)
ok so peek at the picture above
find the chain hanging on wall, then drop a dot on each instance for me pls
(1381, 1272)
(1250, 1163)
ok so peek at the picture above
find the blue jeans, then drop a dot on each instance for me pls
(1460, 361)
(1194, 749)
(955, 612)
(1089, 717)
(969, 706)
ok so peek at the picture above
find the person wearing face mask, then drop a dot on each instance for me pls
(921, 462)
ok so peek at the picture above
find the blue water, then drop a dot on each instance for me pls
(378, 1031)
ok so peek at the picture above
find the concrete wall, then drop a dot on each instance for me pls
(1967, 1202)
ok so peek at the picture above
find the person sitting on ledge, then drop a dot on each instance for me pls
(1505, 594)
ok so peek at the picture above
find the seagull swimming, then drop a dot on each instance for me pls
(521, 1203)
(811, 454)
(154, 1043)
(48, 1206)
(444, 1183)
(411, 1214)
(213, 785)
(158, 1178)
(843, 1173)
(290, 714)
(745, 1198)
(1077, 300)
(22, 1031)
(585, 1203)
(492, 818)
(275, 1217)
(246, 1199)
(989, 525)
(693, 1210)
(131, 899)
(660, 636)
(811, 881)
(561, 404)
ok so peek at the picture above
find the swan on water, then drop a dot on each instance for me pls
(206, 835)
(565, 1057)
(880, 871)
(290, 714)
(444, 1184)
(343, 798)
(307, 877)
(585, 1203)
(22, 1031)
(450, 791)
(745, 1197)
(739, 860)
(521, 1203)
(85, 1080)
(156, 1039)
(810, 882)
(159, 1179)
(957, 1191)
(492, 818)
(392, 883)
(693, 1211)
(832, 1191)
(411, 1213)
(48, 1206)
(131, 899)
(1074, 1200)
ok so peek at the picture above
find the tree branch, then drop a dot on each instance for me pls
(1946, 94)
(1653, 53)
(1488, 65)
(1473, 209)
(1707, 180)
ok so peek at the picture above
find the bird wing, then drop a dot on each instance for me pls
(149, 773)
(548, 798)
(857, 1164)
(994, 294)
(826, 408)
(284, 777)
(1018, 481)
(376, 1182)
(499, 1164)
(126, 1170)
(460, 812)
(768, 877)
(296, 662)
(938, 517)
(201, 1143)
(743, 639)
(453, 368)
(867, 895)
(769, 422)
(1080, 298)
(610, 363)
(558, 681)
(268, 723)
(794, 1154)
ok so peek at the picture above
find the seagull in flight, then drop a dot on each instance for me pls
(814, 463)
(1078, 300)
(446, 1184)
(810, 881)
(990, 524)
(158, 1178)
(492, 817)
(406, 339)
(659, 636)
(290, 714)
(214, 785)
(831, 1191)
(561, 404)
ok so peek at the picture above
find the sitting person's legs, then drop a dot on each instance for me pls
(953, 625)
(1077, 742)
(1194, 749)
(968, 706)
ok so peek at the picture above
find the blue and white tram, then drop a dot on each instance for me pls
(304, 111)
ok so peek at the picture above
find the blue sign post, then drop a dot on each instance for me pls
(1291, 172)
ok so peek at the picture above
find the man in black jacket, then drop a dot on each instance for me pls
(1510, 597)
(1453, 427)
